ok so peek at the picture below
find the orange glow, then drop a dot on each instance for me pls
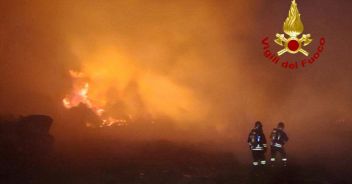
(118, 88)
(79, 95)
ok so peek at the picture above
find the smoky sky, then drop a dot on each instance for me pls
(210, 49)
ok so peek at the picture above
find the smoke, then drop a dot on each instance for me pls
(161, 59)
(194, 64)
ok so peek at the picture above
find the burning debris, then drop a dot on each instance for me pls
(79, 95)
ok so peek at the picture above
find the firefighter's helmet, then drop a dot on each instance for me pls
(258, 124)
(281, 125)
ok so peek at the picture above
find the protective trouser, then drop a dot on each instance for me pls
(281, 151)
(258, 157)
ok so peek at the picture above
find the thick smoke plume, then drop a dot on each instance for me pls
(196, 65)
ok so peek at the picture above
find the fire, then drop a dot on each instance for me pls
(79, 95)
(122, 89)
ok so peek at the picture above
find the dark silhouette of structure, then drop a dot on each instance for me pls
(25, 137)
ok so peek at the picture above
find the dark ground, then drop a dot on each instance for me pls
(157, 162)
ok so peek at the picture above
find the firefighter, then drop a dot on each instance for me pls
(278, 140)
(257, 144)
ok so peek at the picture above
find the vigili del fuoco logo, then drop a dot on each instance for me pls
(293, 42)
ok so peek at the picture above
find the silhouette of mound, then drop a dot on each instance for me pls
(25, 136)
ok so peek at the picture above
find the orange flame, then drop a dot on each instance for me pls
(79, 95)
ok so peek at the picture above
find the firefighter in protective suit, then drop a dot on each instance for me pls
(257, 144)
(278, 140)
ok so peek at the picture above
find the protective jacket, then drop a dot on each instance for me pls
(278, 138)
(256, 139)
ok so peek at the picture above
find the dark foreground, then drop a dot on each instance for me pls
(30, 154)
(158, 162)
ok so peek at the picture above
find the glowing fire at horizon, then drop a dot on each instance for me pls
(79, 95)
(121, 89)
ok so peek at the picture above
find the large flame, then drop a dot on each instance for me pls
(79, 95)
(293, 25)
(119, 92)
